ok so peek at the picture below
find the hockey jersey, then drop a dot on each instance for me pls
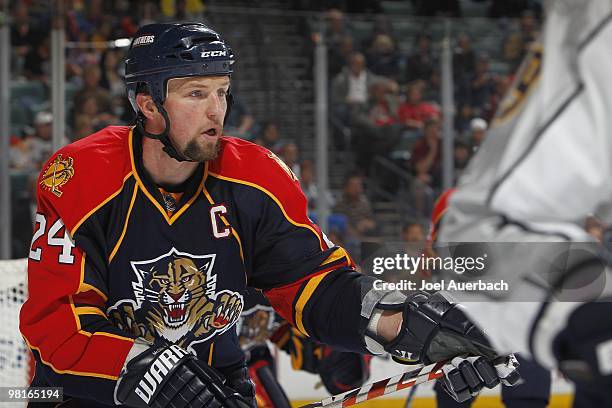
(115, 258)
(543, 168)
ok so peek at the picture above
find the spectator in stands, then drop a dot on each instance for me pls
(349, 92)
(382, 25)
(289, 154)
(82, 127)
(425, 163)
(413, 236)
(240, 122)
(432, 88)
(502, 84)
(518, 42)
(337, 28)
(465, 114)
(478, 130)
(71, 24)
(382, 57)
(88, 109)
(92, 88)
(413, 232)
(420, 64)
(426, 154)
(24, 34)
(18, 159)
(309, 186)
(377, 132)
(36, 65)
(31, 153)
(413, 112)
(356, 207)
(461, 155)
(39, 145)
(111, 79)
(464, 58)
(482, 85)
(339, 57)
(270, 137)
(148, 12)
(384, 103)
(103, 30)
(182, 10)
(79, 57)
(93, 16)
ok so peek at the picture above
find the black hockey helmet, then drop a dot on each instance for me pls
(173, 50)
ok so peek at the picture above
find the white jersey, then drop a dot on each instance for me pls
(545, 165)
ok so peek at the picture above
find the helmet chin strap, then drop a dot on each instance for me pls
(163, 136)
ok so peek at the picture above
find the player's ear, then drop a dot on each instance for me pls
(146, 105)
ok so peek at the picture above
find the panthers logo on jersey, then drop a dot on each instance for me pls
(58, 173)
(255, 326)
(176, 298)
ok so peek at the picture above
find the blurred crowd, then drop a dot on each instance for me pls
(388, 101)
(385, 100)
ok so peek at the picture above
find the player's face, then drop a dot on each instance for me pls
(196, 107)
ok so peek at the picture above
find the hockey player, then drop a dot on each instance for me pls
(544, 166)
(339, 371)
(534, 391)
(256, 325)
(146, 238)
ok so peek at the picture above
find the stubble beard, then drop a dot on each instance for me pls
(201, 153)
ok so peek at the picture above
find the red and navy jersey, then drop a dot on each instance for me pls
(439, 209)
(114, 257)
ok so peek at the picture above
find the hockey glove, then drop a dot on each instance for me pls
(433, 329)
(170, 377)
(342, 371)
(465, 377)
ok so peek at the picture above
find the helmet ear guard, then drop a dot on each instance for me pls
(160, 52)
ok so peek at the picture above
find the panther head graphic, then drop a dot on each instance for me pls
(180, 287)
(176, 298)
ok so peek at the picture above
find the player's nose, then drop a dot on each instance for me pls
(215, 107)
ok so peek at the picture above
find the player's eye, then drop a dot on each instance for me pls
(186, 279)
(222, 93)
(165, 281)
(195, 93)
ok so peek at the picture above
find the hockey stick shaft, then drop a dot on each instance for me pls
(382, 387)
(410, 397)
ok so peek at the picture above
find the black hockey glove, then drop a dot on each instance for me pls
(342, 371)
(170, 377)
(465, 377)
(434, 329)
